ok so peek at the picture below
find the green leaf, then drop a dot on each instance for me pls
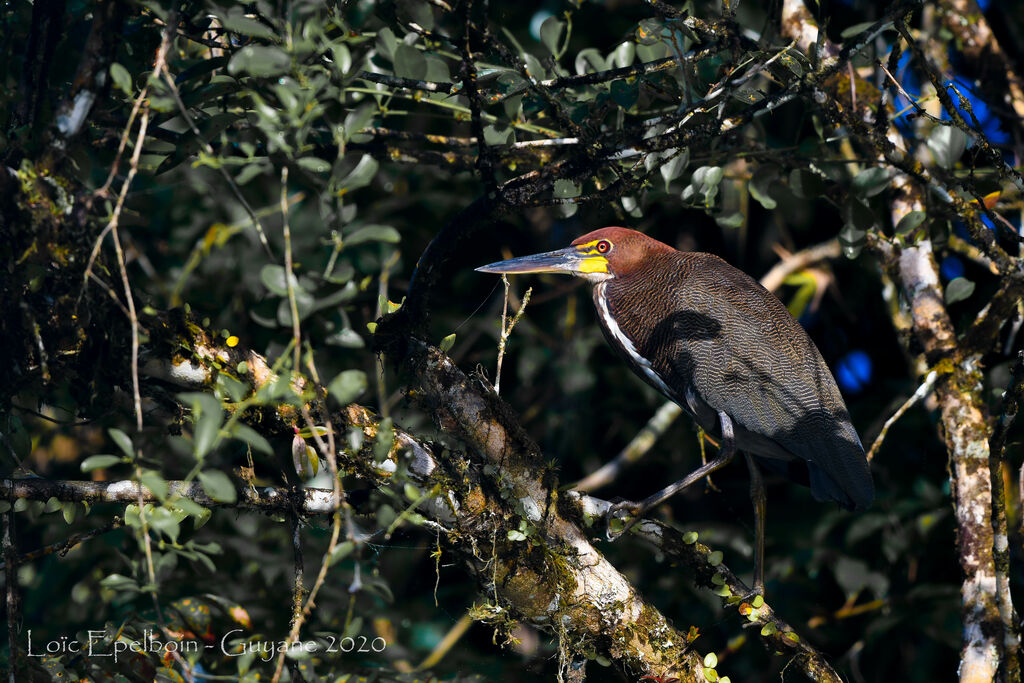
(534, 67)
(166, 522)
(711, 660)
(498, 136)
(512, 105)
(341, 551)
(155, 483)
(958, 289)
(204, 67)
(704, 182)
(347, 386)
(358, 118)
(385, 516)
(314, 164)
(122, 79)
(551, 33)
(346, 338)
(857, 220)
(409, 62)
(625, 93)
(850, 574)
(871, 181)
(69, 511)
(566, 189)
(748, 95)
(947, 144)
(251, 171)
(632, 206)
(385, 439)
(342, 58)
(386, 42)
(123, 441)
(235, 20)
(304, 305)
(273, 278)
(207, 427)
(230, 388)
(590, 60)
(910, 222)
(119, 583)
(858, 215)
(759, 185)
(373, 233)
(674, 167)
(648, 32)
(191, 508)
(360, 176)
(260, 60)
(98, 462)
(623, 55)
(253, 438)
(792, 63)
(652, 52)
(447, 343)
(420, 12)
(218, 486)
(730, 220)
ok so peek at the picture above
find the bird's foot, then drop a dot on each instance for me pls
(621, 517)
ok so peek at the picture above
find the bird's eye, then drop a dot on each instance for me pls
(603, 247)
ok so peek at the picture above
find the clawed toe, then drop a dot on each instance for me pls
(621, 516)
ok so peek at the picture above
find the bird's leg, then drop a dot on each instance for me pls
(757, 497)
(636, 510)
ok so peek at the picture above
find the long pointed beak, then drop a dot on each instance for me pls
(566, 260)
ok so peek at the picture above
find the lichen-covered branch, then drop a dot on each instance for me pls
(713, 574)
(958, 389)
(553, 578)
(266, 498)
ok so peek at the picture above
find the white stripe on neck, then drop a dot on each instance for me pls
(613, 327)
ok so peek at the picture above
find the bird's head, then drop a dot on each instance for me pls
(597, 256)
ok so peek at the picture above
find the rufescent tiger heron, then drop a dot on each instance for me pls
(712, 339)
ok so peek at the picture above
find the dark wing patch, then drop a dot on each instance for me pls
(737, 347)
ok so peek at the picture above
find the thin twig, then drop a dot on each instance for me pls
(506, 330)
(994, 156)
(921, 392)
(289, 275)
(1000, 526)
(13, 614)
(634, 450)
(208, 148)
(65, 546)
(447, 643)
(266, 499)
(382, 301)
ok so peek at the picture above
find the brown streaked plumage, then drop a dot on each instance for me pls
(725, 349)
